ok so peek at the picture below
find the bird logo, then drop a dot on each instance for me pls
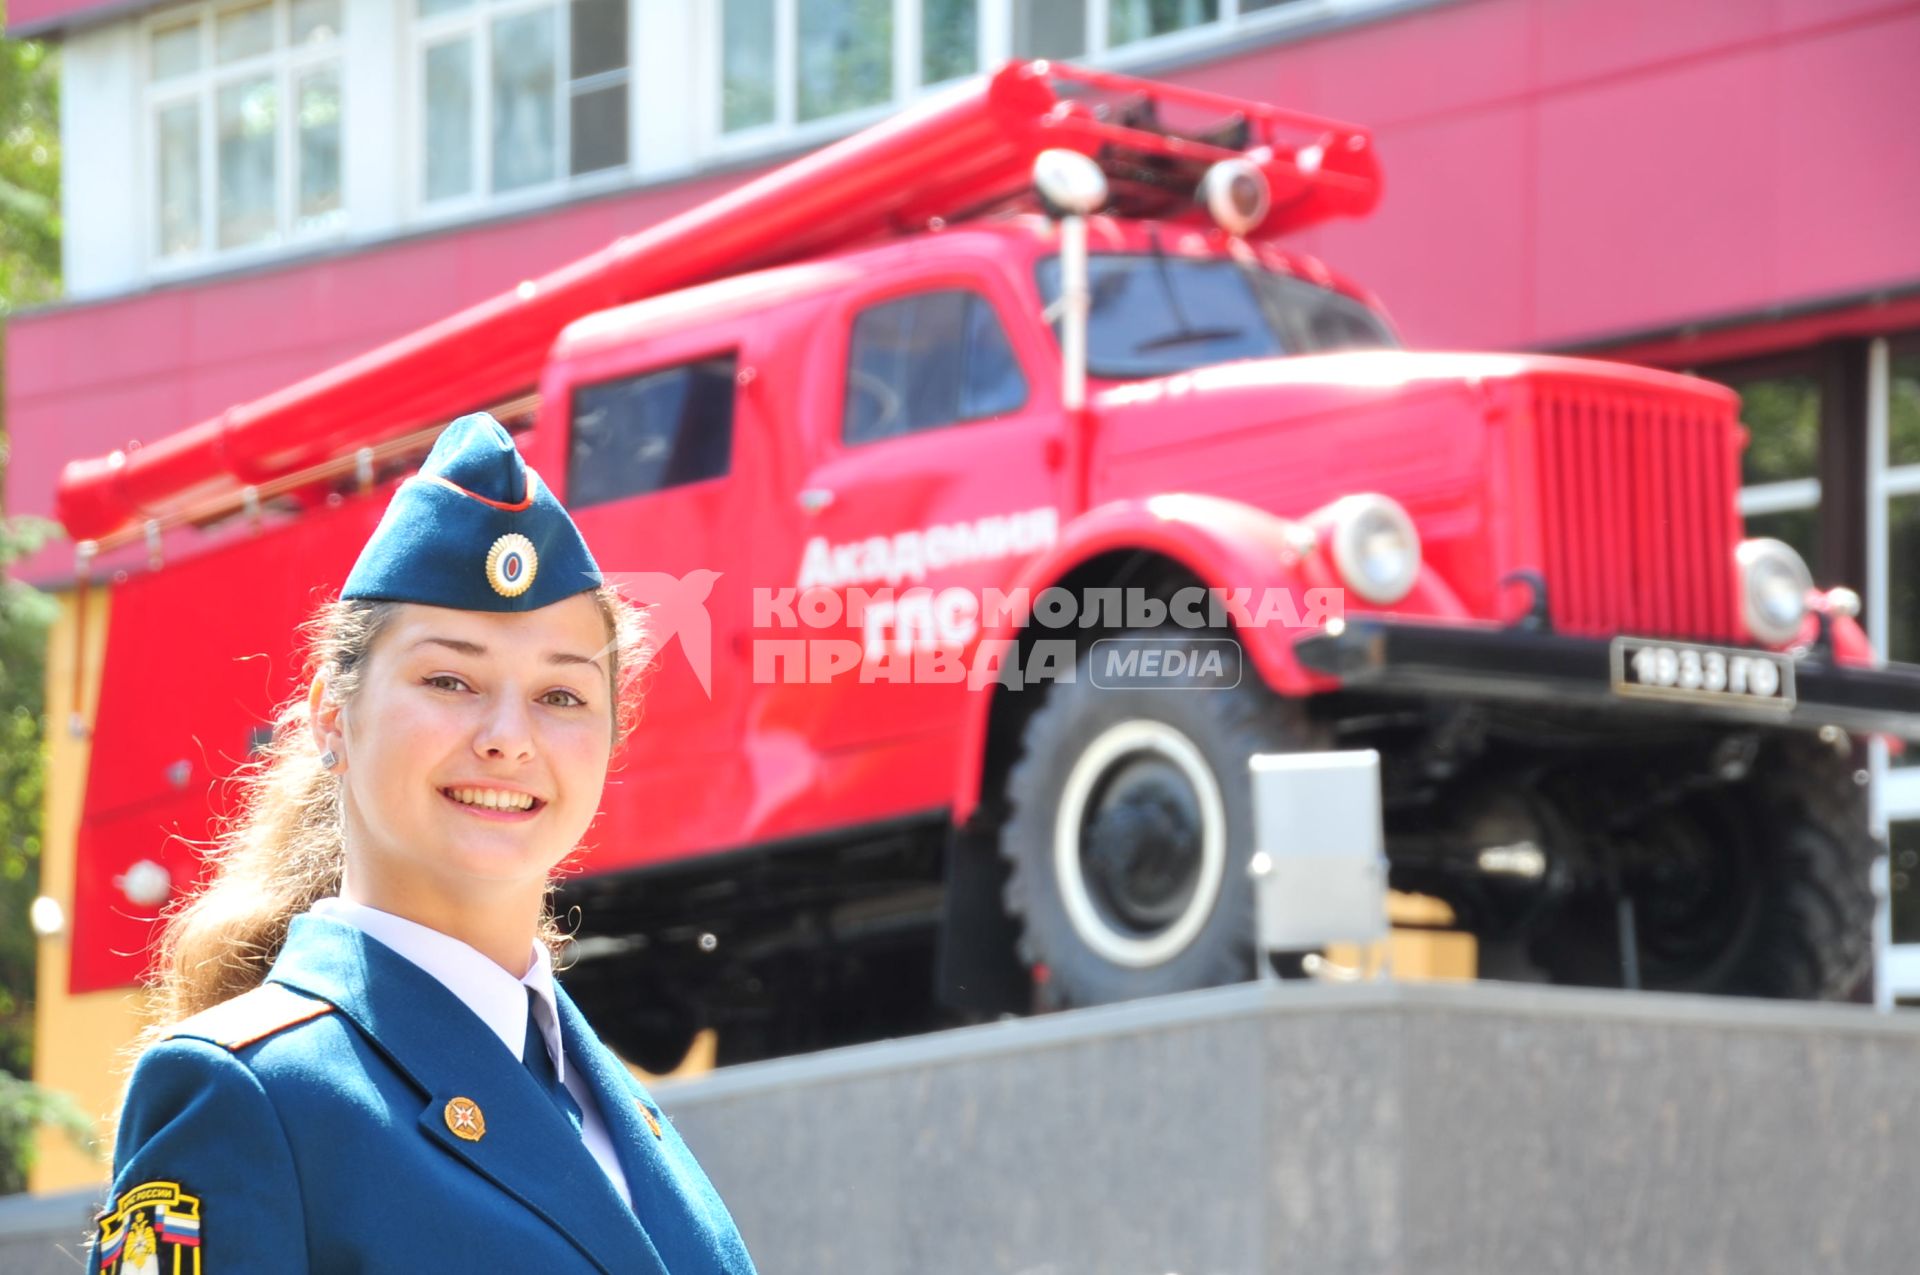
(676, 609)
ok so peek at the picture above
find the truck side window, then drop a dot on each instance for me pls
(928, 360)
(649, 432)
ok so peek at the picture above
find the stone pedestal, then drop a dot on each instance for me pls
(1424, 1129)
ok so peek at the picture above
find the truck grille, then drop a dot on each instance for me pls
(1638, 513)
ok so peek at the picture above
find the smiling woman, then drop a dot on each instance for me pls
(360, 1018)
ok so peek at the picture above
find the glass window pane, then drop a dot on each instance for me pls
(1254, 6)
(746, 70)
(1782, 416)
(925, 361)
(1155, 316)
(315, 20)
(246, 116)
(1316, 320)
(1903, 417)
(599, 37)
(243, 33)
(524, 133)
(1904, 847)
(318, 96)
(434, 8)
(449, 119)
(1129, 20)
(949, 39)
(846, 56)
(646, 433)
(994, 384)
(176, 50)
(599, 138)
(1049, 28)
(177, 149)
(1903, 579)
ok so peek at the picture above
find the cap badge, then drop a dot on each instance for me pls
(464, 1119)
(511, 565)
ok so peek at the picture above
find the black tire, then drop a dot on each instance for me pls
(1786, 910)
(1090, 915)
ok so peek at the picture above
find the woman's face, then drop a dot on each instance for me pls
(477, 745)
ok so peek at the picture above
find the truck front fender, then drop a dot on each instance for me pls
(1268, 562)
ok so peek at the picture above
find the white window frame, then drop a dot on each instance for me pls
(286, 64)
(475, 23)
(993, 28)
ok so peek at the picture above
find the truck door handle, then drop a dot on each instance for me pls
(814, 499)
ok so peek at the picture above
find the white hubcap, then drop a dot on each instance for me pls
(1127, 739)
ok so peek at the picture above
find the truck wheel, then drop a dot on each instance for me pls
(1761, 889)
(1130, 820)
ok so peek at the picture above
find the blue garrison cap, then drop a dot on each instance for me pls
(476, 530)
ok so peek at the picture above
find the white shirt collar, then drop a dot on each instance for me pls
(496, 996)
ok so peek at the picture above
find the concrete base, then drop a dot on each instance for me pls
(46, 1234)
(1420, 1129)
(1432, 1129)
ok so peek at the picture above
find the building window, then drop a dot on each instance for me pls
(796, 62)
(1903, 503)
(1780, 470)
(783, 65)
(646, 433)
(1131, 20)
(516, 96)
(1903, 838)
(933, 359)
(1082, 28)
(243, 109)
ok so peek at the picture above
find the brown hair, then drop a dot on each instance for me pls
(285, 847)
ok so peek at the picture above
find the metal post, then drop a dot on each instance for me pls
(1077, 297)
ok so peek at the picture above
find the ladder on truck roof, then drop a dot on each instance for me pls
(962, 154)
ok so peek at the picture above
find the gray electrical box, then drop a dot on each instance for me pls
(1319, 855)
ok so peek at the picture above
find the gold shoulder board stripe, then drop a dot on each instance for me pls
(251, 1016)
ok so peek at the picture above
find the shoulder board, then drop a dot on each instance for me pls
(251, 1016)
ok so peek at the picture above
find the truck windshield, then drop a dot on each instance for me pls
(1156, 315)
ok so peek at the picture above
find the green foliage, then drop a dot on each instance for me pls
(24, 1107)
(29, 174)
(1783, 415)
(29, 273)
(26, 615)
(1903, 414)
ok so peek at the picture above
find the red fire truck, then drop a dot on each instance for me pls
(1002, 482)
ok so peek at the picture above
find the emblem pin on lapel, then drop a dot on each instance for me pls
(464, 1119)
(646, 1113)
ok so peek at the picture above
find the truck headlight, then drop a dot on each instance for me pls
(1376, 547)
(1774, 582)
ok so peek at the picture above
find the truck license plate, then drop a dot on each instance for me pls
(1684, 670)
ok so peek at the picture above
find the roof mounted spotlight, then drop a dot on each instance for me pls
(1069, 183)
(1071, 186)
(1236, 195)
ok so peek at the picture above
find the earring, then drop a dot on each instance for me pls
(329, 759)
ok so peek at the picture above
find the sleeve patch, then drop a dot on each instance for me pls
(251, 1016)
(152, 1229)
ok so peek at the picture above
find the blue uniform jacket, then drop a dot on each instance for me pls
(354, 1115)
